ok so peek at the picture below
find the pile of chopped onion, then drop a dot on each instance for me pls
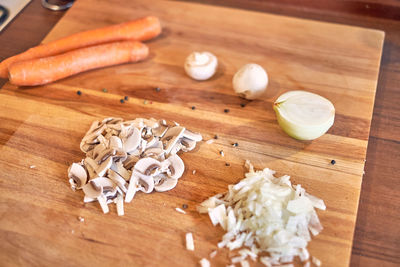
(263, 213)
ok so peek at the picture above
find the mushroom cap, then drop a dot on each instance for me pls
(147, 166)
(78, 175)
(250, 81)
(176, 167)
(201, 65)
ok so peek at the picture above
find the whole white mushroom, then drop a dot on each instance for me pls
(201, 65)
(250, 81)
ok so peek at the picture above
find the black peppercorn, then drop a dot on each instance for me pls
(79, 92)
(333, 162)
(226, 110)
(122, 101)
(126, 98)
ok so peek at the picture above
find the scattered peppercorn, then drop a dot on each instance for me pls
(105, 90)
(235, 144)
(185, 206)
(226, 110)
(158, 89)
(122, 101)
(333, 162)
(126, 98)
(221, 152)
(242, 105)
(215, 136)
(193, 107)
(227, 164)
(79, 92)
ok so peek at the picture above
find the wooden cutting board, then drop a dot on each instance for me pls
(42, 126)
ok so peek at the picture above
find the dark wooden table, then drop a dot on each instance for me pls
(377, 237)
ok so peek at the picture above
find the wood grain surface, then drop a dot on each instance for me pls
(44, 125)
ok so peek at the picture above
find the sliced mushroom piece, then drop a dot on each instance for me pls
(160, 131)
(171, 137)
(192, 136)
(88, 163)
(148, 166)
(104, 166)
(119, 168)
(150, 142)
(176, 148)
(102, 140)
(104, 155)
(176, 167)
(132, 140)
(145, 182)
(143, 145)
(103, 203)
(130, 162)
(118, 180)
(164, 183)
(153, 152)
(187, 144)
(100, 188)
(156, 144)
(138, 123)
(132, 188)
(77, 176)
(146, 133)
(115, 142)
(120, 155)
(97, 150)
(112, 120)
(153, 123)
(92, 190)
(119, 201)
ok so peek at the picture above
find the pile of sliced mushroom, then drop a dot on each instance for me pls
(124, 157)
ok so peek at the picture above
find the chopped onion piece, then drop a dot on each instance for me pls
(267, 214)
(189, 242)
(204, 263)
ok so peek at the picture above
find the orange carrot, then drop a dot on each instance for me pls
(137, 30)
(45, 70)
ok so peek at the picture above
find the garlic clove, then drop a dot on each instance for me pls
(304, 115)
(201, 65)
(250, 81)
